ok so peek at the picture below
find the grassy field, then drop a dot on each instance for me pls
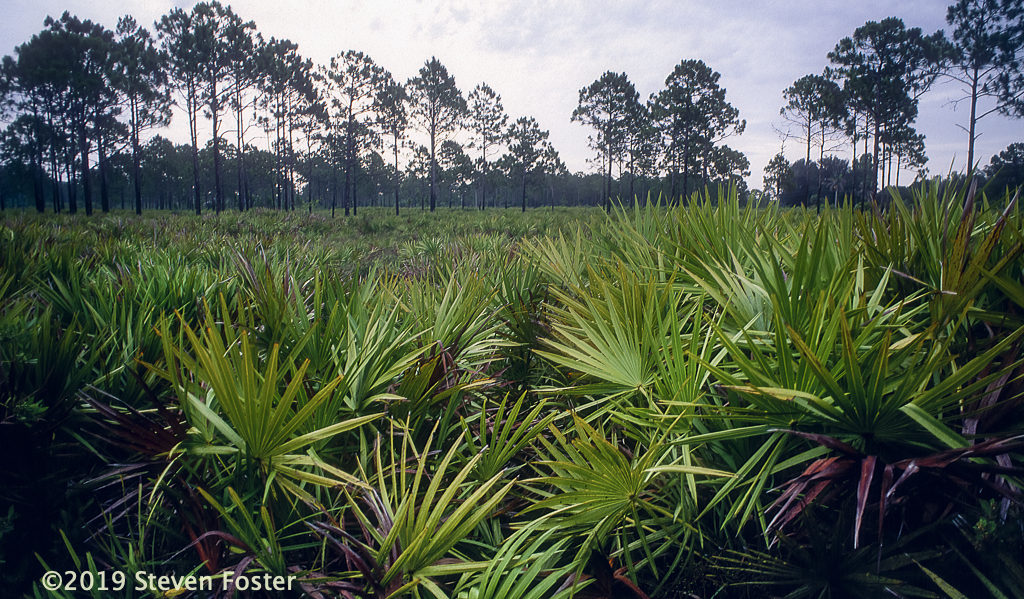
(711, 400)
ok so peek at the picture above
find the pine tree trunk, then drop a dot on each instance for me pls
(483, 180)
(821, 159)
(875, 162)
(193, 130)
(355, 198)
(853, 167)
(37, 184)
(867, 172)
(686, 172)
(334, 191)
(83, 148)
(348, 164)
(72, 186)
(218, 189)
(397, 177)
(37, 168)
(433, 169)
(608, 185)
(55, 186)
(104, 183)
(974, 112)
(136, 158)
(240, 128)
(524, 190)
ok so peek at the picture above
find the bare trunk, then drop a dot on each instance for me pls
(874, 161)
(433, 168)
(807, 160)
(37, 184)
(72, 186)
(240, 128)
(608, 184)
(686, 171)
(355, 197)
(218, 189)
(55, 167)
(853, 168)
(104, 184)
(348, 163)
(291, 162)
(83, 148)
(397, 178)
(483, 180)
(136, 157)
(37, 167)
(867, 172)
(193, 131)
(309, 182)
(674, 174)
(821, 159)
(279, 160)
(524, 190)
(334, 191)
(974, 112)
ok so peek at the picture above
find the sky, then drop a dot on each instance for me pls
(538, 55)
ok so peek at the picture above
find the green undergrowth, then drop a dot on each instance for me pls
(671, 401)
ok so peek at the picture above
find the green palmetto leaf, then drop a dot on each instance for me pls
(527, 566)
(499, 440)
(613, 332)
(885, 397)
(601, 493)
(416, 519)
(934, 426)
(246, 405)
(950, 591)
(373, 350)
(690, 469)
(260, 538)
(741, 297)
(458, 319)
(941, 247)
(963, 382)
(561, 258)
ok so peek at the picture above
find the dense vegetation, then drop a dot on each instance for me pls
(666, 401)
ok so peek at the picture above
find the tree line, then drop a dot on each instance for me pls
(83, 107)
(80, 98)
(868, 97)
(80, 101)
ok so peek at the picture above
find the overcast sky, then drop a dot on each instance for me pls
(538, 55)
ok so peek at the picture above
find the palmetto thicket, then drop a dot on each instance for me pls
(659, 401)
